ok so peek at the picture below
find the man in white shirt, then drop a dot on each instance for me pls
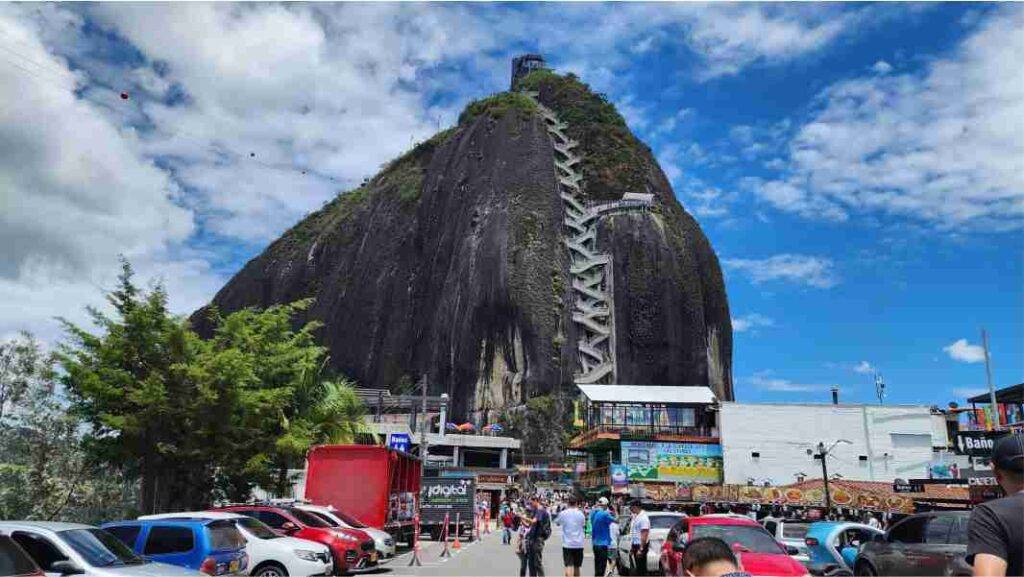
(639, 532)
(572, 521)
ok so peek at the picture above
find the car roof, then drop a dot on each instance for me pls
(193, 515)
(711, 520)
(185, 522)
(46, 525)
(665, 514)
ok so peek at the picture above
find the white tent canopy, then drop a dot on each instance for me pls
(648, 394)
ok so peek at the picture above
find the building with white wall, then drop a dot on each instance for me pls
(764, 442)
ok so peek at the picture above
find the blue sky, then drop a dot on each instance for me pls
(859, 168)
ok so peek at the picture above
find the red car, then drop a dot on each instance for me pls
(351, 549)
(758, 552)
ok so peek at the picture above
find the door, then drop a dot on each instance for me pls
(172, 545)
(898, 556)
(40, 549)
(933, 556)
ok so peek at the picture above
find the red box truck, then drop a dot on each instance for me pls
(379, 486)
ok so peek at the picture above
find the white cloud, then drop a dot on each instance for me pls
(968, 392)
(764, 381)
(881, 67)
(944, 147)
(965, 352)
(807, 270)
(864, 368)
(751, 323)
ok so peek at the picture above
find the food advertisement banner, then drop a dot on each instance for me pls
(674, 462)
(810, 497)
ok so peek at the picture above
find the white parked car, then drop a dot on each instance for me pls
(661, 522)
(75, 549)
(382, 540)
(270, 554)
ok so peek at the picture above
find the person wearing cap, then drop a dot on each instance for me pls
(600, 535)
(995, 534)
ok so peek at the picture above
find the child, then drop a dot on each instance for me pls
(506, 531)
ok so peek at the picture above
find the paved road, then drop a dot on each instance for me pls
(485, 558)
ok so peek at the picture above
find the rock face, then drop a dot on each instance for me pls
(451, 263)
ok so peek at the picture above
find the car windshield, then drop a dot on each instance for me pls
(754, 539)
(99, 548)
(349, 519)
(257, 528)
(307, 518)
(663, 521)
(794, 530)
(325, 518)
(224, 536)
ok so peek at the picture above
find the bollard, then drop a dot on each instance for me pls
(415, 543)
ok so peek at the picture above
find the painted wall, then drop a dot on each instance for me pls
(886, 442)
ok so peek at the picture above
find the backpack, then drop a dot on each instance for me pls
(544, 532)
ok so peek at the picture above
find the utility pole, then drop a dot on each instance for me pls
(424, 449)
(988, 375)
(823, 453)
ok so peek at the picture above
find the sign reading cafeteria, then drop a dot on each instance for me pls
(676, 462)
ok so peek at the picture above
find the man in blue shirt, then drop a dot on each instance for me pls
(600, 523)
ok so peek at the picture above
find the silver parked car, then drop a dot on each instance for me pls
(791, 533)
(661, 522)
(75, 549)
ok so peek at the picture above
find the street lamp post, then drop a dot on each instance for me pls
(823, 454)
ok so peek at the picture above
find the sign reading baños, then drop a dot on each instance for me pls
(673, 462)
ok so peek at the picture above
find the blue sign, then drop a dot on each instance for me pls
(400, 442)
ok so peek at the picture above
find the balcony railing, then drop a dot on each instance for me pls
(642, 432)
(593, 478)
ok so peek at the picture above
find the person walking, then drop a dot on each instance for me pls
(539, 531)
(639, 533)
(600, 530)
(995, 533)
(613, 549)
(506, 527)
(572, 522)
(521, 528)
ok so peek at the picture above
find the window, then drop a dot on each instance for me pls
(938, 529)
(910, 530)
(306, 518)
(224, 536)
(166, 540)
(257, 528)
(663, 521)
(794, 530)
(755, 539)
(127, 534)
(275, 520)
(99, 548)
(771, 527)
(39, 548)
(755, 455)
(958, 534)
(325, 518)
(13, 561)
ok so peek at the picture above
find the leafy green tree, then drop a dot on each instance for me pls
(44, 473)
(134, 385)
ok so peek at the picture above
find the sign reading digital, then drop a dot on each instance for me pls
(676, 462)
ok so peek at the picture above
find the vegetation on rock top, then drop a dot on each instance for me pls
(614, 161)
(497, 106)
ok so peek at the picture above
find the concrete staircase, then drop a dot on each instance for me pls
(590, 270)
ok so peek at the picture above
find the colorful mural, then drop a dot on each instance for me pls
(674, 462)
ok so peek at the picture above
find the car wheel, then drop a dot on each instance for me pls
(269, 570)
(865, 569)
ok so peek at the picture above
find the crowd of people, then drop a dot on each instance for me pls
(527, 526)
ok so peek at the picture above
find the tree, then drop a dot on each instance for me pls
(134, 385)
(20, 363)
(44, 473)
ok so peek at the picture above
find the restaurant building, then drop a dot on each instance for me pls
(650, 442)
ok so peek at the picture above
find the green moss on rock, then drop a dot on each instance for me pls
(614, 161)
(499, 105)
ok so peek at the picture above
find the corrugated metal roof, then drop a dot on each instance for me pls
(647, 394)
